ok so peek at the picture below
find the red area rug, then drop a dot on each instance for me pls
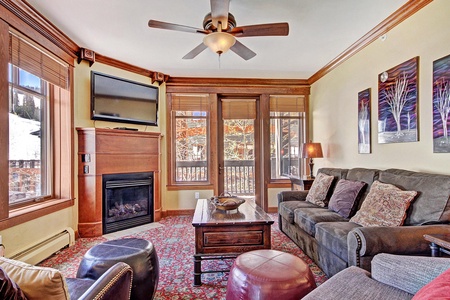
(174, 244)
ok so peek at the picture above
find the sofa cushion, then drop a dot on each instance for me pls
(319, 190)
(346, 196)
(9, 289)
(439, 288)
(307, 218)
(432, 204)
(37, 283)
(333, 236)
(286, 209)
(385, 205)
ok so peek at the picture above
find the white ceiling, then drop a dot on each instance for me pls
(319, 31)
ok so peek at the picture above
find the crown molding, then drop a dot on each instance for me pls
(26, 13)
(401, 14)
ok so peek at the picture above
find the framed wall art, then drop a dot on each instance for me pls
(397, 103)
(364, 141)
(441, 105)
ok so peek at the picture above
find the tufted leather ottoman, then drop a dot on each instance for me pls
(269, 274)
(138, 253)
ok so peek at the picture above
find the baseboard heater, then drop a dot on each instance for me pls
(46, 248)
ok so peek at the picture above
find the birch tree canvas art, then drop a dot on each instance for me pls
(364, 141)
(397, 104)
(441, 105)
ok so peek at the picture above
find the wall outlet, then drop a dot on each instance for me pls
(197, 195)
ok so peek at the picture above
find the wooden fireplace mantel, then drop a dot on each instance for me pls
(110, 151)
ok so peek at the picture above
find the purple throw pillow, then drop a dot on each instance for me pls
(9, 289)
(346, 196)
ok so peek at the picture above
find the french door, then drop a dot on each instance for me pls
(238, 140)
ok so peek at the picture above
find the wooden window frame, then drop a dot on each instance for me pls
(172, 184)
(61, 115)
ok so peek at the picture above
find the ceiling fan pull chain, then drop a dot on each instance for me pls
(219, 59)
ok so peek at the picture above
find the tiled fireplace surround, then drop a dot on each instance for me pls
(112, 151)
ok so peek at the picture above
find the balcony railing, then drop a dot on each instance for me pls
(239, 175)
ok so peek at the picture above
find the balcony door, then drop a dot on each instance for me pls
(238, 140)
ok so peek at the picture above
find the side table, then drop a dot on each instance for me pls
(298, 184)
(439, 243)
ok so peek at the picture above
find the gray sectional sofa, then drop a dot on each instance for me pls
(393, 277)
(334, 243)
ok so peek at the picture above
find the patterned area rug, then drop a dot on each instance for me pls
(174, 244)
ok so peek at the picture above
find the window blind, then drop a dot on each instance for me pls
(287, 103)
(238, 109)
(29, 57)
(184, 102)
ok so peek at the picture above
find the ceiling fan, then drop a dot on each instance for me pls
(219, 28)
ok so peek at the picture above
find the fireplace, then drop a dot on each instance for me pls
(127, 200)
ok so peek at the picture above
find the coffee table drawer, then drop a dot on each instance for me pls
(229, 238)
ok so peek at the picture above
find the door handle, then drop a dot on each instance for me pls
(220, 169)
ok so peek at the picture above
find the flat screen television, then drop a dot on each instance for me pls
(120, 100)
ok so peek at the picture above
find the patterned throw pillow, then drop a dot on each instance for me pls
(319, 189)
(385, 205)
(345, 197)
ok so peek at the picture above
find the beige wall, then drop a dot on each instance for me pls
(333, 110)
(334, 106)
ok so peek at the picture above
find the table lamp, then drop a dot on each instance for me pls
(311, 150)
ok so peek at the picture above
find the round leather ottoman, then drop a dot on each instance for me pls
(138, 253)
(269, 274)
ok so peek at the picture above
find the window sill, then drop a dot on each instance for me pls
(33, 211)
(180, 187)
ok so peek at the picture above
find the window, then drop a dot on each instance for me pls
(29, 172)
(190, 129)
(38, 124)
(287, 132)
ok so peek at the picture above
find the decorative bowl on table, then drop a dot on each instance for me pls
(227, 202)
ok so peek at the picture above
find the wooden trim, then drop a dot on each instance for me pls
(280, 184)
(154, 76)
(178, 212)
(191, 187)
(243, 89)
(401, 14)
(27, 14)
(272, 210)
(264, 107)
(31, 212)
(238, 86)
(4, 120)
(210, 82)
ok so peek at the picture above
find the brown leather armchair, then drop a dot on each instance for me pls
(19, 279)
(115, 283)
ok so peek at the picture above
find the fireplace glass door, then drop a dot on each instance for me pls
(128, 200)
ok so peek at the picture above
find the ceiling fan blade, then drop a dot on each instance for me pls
(196, 51)
(270, 29)
(219, 12)
(171, 26)
(242, 50)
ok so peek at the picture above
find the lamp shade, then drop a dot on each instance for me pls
(311, 150)
(219, 42)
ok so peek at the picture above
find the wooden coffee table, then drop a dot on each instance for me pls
(439, 243)
(226, 234)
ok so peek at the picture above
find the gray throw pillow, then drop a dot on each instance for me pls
(346, 196)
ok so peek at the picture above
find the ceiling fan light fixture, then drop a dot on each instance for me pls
(219, 42)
